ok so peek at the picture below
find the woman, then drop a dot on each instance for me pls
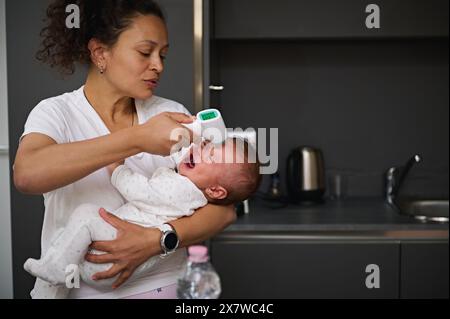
(70, 139)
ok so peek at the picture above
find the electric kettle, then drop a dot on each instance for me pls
(305, 175)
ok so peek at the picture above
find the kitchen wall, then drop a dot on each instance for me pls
(368, 104)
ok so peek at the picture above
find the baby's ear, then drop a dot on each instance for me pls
(216, 192)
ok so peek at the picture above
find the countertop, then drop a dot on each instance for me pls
(352, 215)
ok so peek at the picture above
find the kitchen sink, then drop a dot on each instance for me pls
(424, 209)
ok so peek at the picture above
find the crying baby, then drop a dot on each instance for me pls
(221, 174)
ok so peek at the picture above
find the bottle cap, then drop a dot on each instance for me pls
(198, 254)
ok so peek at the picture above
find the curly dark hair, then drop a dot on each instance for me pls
(104, 20)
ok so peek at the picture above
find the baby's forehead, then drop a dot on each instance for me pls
(227, 146)
(234, 149)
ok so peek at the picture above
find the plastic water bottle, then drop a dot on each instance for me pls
(199, 280)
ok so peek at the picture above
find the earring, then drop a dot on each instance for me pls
(102, 70)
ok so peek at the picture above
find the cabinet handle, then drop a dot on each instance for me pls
(4, 150)
(216, 87)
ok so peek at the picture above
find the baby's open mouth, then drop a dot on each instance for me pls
(191, 163)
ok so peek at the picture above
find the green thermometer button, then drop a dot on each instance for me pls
(208, 116)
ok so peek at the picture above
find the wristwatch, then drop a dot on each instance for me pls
(169, 240)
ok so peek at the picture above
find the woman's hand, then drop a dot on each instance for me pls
(111, 168)
(133, 246)
(155, 136)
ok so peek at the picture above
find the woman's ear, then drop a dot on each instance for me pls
(98, 53)
(216, 192)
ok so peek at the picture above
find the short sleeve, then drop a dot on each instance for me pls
(46, 119)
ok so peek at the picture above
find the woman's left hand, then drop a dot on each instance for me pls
(133, 246)
(111, 168)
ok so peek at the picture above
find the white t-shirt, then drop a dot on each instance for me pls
(70, 118)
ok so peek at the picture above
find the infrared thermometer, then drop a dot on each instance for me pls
(210, 126)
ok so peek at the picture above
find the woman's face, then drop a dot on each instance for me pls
(135, 63)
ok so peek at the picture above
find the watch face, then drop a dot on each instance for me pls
(171, 241)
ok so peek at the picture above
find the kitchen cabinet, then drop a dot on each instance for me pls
(303, 19)
(330, 251)
(424, 270)
(274, 267)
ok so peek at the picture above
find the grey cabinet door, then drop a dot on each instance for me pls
(424, 270)
(271, 269)
(259, 19)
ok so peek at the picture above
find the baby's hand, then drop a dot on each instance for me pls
(111, 168)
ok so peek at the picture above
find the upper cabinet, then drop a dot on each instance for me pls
(323, 19)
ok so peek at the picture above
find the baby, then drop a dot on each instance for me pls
(219, 174)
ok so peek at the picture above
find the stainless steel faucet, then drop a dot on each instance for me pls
(395, 177)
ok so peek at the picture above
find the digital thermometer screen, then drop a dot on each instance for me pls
(208, 116)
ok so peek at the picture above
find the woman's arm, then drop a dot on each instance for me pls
(41, 165)
(204, 224)
(135, 244)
